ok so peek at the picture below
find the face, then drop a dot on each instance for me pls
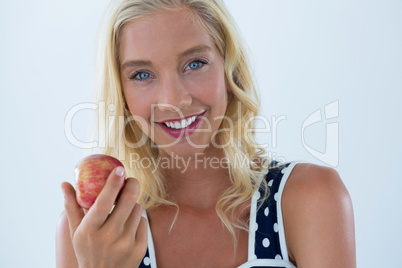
(173, 81)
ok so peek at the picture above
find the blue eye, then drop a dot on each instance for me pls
(141, 76)
(195, 64)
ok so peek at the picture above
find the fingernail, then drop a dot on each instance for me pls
(119, 171)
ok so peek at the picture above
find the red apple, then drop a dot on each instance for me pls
(91, 174)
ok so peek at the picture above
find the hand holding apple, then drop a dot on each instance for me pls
(91, 174)
(101, 238)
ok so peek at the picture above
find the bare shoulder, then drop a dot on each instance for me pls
(65, 256)
(314, 181)
(318, 218)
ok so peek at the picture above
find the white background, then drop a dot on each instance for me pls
(306, 54)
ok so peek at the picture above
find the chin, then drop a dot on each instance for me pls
(183, 150)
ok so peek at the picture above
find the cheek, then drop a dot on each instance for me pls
(138, 104)
(211, 89)
(140, 108)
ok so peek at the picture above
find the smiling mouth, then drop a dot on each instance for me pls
(177, 128)
(183, 123)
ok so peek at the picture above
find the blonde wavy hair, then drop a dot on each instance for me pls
(243, 105)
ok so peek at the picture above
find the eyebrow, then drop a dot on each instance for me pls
(133, 63)
(196, 49)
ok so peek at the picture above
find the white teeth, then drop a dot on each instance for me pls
(182, 124)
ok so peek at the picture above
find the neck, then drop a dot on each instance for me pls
(197, 181)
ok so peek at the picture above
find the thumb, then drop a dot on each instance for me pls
(73, 210)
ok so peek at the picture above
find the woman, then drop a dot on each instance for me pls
(176, 81)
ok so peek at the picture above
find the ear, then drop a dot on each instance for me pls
(228, 87)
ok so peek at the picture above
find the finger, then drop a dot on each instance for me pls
(142, 232)
(125, 203)
(138, 236)
(73, 210)
(133, 221)
(100, 210)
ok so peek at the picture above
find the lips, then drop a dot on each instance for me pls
(182, 127)
(180, 119)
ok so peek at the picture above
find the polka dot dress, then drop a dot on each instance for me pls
(267, 240)
(267, 232)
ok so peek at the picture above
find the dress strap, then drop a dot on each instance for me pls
(270, 240)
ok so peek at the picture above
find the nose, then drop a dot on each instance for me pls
(173, 94)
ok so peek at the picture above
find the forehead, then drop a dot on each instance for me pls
(163, 32)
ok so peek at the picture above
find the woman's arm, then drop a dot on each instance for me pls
(65, 256)
(318, 218)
